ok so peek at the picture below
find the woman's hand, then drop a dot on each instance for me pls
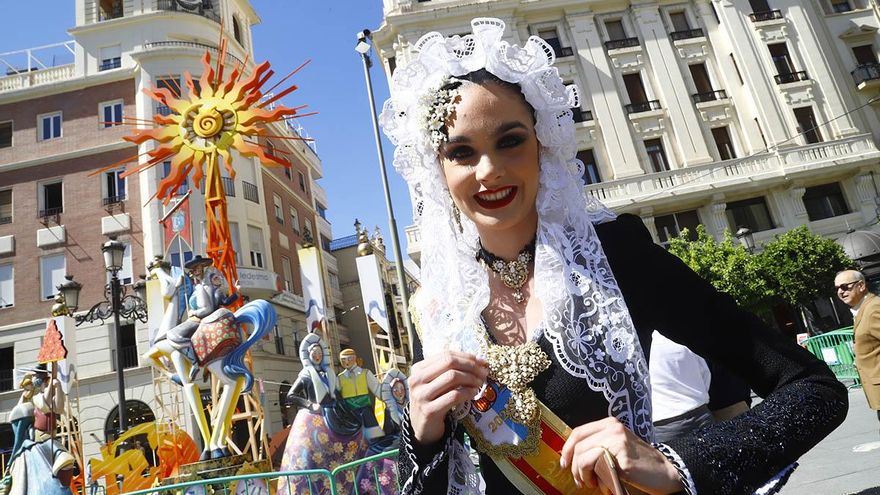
(638, 463)
(439, 384)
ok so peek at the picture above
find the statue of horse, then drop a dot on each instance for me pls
(210, 339)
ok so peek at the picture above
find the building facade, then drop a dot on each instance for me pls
(760, 114)
(59, 128)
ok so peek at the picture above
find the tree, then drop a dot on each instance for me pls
(801, 265)
(726, 265)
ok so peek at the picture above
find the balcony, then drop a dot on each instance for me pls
(768, 15)
(5, 220)
(791, 77)
(228, 187)
(46, 64)
(414, 243)
(129, 355)
(113, 200)
(251, 193)
(765, 169)
(257, 283)
(867, 76)
(687, 34)
(203, 8)
(644, 106)
(709, 96)
(621, 43)
(50, 212)
(200, 47)
(112, 63)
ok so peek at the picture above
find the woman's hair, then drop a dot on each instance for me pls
(480, 77)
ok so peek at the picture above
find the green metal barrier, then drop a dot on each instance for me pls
(226, 485)
(836, 349)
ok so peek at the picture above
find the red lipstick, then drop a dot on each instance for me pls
(483, 197)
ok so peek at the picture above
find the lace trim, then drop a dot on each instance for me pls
(414, 483)
(683, 474)
(778, 481)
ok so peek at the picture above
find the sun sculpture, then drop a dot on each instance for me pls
(218, 115)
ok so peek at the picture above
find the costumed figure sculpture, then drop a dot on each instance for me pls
(211, 340)
(395, 394)
(324, 434)
(357, 387)
(39, 465)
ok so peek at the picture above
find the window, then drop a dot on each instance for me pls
(7, 364)
(6, 206)
(824, 201)
(723, 143)
(781, 58)
(325, 243)
(294, 219)
(236, 241)
(679, 21)
(125, 274)
(7, 286)
(114, 187)
(700, 75)
(864, 54)
(392, 65)
(759, 5)
(635, 89)
(807, 124)
(49, 126)
(302, 181)
(838, 7)
(127, 347)
(255, 236)
(322, 210)
(279, 341)
(236, 31)
(591, 170)
(6, 134)
(270, 147)
(111, 57)
(111, 114)
(657, 155)
(670, 226)
(52, 271)
(172, 84)
(287, 273)
(184, 187)
(615, 29)
(287, 172)
(551, 36)
(752, 213)
(279, 212)
(51, 198)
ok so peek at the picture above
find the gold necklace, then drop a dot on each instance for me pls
(515, 273)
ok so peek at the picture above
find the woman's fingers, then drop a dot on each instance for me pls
(582, 433)
(450, 380)
(427, 370)
(451, 399)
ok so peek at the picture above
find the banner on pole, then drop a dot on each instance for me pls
(371, 291)
(313, 286)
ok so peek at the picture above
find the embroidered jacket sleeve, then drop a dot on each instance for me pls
(803, 402)
(424, 470)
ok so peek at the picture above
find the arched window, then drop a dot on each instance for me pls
(236, 31)
(137, 412)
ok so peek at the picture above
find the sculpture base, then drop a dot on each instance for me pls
(219, 468)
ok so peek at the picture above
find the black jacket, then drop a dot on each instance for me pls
(803, 401)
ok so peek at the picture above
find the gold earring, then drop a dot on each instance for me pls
(456, 215)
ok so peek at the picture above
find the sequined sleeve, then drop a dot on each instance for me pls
(803, 402)
(423, 471)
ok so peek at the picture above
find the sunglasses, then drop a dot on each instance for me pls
(846, 287)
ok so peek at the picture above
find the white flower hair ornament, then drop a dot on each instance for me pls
(573, 279)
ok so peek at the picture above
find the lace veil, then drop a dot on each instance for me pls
(585, 317)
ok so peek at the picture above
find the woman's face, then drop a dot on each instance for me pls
(316, 355)
(491, 158)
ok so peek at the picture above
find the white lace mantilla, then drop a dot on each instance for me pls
(585, 318)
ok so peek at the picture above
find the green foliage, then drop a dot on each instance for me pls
(802, 265)
(795, 267)
(726, 265)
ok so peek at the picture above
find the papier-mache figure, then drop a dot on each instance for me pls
(395, 394)
(324, 433)
(357, 387)
(39, 465)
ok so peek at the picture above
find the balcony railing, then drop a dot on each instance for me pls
(866, 72)
(581, 115)
(251, 193)
(228, 186)
(203, 8)
(112, 200)
(565, 51)
(113, 63)
(4, 220)
(50, 212)
(187, 44)
(686, 34)
(163, 110)
(621, 43)
(129, 355)
(767, 15)
(791, 77)
(709, 96)
(645, 106)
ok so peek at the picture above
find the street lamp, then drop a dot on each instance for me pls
(744, 234)
(120, 304)
(363, 47)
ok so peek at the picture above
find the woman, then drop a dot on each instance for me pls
(536, 302)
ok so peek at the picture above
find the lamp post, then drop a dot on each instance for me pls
(746, 238)
(119, 305)
(363, 47)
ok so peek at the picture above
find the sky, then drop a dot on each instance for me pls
(291, 32)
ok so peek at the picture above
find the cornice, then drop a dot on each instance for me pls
(94, 150)
(64, 86)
